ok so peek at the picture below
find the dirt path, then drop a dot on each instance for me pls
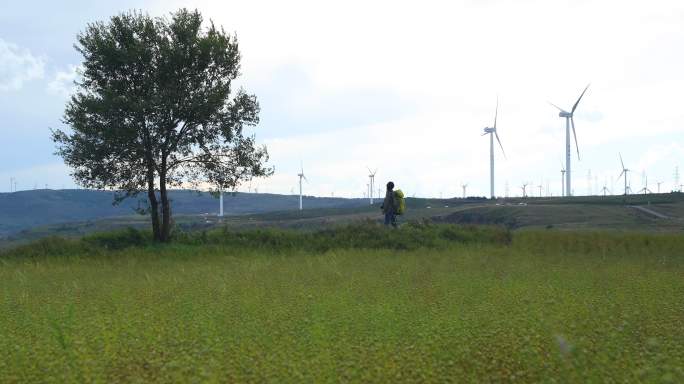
(649, 211)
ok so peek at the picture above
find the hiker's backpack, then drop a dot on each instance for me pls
(399, 202)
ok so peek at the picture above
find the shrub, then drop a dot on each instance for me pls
(363, 235)
(129, 237)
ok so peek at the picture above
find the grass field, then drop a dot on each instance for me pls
(450, 305)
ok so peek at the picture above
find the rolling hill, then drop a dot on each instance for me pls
(25, 216)
(27, 209)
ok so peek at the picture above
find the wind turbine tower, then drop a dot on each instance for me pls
(301, 176)
(464, 186)
(676, 179)
(492, 132)
(645, 189)
(624, 172)
(569, 120)
(562, 179)
(371, 185)
(659, 182)
(524, 189)
(220, 202)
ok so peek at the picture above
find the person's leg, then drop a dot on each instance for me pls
(394, 220)
(388, 218)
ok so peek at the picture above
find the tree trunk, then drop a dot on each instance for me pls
(166, 207)
(151, 195)
(154, 206)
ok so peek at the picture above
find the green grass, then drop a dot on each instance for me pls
(547, 306)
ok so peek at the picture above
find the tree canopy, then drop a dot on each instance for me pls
(155, 109)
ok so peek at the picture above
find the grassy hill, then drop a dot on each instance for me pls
(194, 211)
(27, 209)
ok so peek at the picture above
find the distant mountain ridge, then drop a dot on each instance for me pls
(26, 209)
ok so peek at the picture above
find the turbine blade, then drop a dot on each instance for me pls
(500, 145)
(484, 133)
(575, 134)
(559, 108)
(496, 113)
(580, 98)
(621, 162)
(621, 173)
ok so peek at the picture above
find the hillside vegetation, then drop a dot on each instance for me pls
(198, 212)
(27, 209)
(426, 303)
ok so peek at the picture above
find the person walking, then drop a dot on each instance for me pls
(388, 207)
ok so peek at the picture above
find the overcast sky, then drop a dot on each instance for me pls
(405, 87)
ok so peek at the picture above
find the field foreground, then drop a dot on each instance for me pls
(548, 306)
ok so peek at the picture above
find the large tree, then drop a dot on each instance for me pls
(154, 110)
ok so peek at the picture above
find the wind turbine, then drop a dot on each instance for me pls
(569, 120)
(645, 189)
(301, 176)
(464, 186)
(492, 132)
(540, 190)
(524, 189)
(604, 190)
(625, 171)
(659, 182)
(676, 179)
(371, 186)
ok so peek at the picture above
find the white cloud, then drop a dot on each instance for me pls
(18, 66)
(63, 82)
(448, 61)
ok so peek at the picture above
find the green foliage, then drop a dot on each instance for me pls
(52, 246)
(129, 237)
(155, 108)
(368, 235)
(589, 242)
(364, 235)
(549, 307)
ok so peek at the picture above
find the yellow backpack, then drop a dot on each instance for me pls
(399, 202)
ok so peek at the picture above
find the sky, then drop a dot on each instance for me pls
(402, 87)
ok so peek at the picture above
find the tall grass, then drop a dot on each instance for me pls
(258, 306)
(365, 235)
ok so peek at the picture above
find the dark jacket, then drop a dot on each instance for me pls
(388, 204)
